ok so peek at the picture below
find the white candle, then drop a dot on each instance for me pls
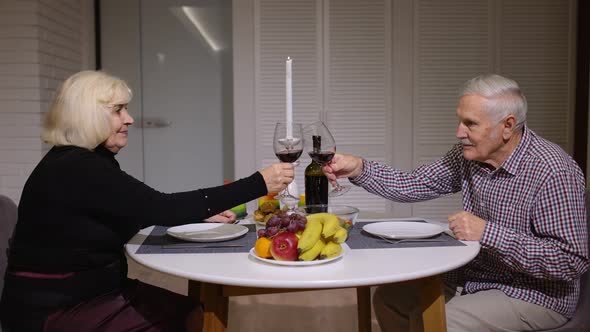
(289, 100)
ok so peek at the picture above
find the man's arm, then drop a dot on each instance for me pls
(426, 182)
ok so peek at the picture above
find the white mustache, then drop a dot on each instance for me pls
(465, 142)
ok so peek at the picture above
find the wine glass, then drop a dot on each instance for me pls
(321, 147)
(288, 147)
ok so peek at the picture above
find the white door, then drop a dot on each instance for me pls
(176, 56)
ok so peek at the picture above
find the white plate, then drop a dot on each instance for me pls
(207, 232)
(300, 263)
(403, 229)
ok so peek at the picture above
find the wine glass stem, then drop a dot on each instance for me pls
(286, 192)
(335, 184)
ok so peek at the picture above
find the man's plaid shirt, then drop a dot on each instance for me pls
(535, 243)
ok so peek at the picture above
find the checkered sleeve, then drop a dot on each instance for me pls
(557, 248)
(426, 182)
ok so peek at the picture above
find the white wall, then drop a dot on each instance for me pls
(41, 43)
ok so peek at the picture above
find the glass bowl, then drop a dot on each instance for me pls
(347, 214)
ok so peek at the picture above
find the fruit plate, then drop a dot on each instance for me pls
(261, 223)
(207, 232)
(345, 249)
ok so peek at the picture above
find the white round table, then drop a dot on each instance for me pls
(215, 277)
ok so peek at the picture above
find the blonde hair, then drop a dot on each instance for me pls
(80, 113)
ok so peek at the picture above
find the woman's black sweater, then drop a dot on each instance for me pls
(78, 209)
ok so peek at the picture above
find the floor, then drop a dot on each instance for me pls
(326, 311)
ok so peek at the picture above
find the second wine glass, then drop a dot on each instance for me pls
(321, 146)
(288, 146)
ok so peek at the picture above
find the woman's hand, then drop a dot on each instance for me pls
(277, 176)
(225, 217)
(343, 165)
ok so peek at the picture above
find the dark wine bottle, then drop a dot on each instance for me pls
(316, 183)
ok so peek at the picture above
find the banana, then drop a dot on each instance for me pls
(321, 216)
(314, 252)
(331, 249)
(317, 217)
(331, 225)
(311, 234)
(340, 235)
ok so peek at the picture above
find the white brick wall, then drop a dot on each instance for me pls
(42, 42)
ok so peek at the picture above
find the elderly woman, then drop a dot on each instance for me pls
(66, 266)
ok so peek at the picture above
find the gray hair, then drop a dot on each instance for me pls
(503, 96)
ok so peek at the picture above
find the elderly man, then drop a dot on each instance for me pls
(523, 200)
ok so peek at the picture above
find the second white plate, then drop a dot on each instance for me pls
(403, 229)
(207, 232)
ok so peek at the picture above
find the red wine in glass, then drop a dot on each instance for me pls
(321, 147)
(288, 147)
(289, 156)
(322, 157)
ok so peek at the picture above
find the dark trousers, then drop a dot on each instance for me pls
(137, 307)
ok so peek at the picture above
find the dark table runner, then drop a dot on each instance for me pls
(158, 242)
(359, 239)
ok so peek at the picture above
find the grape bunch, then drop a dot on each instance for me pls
(283, 222)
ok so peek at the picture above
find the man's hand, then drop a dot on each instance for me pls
(466, 226)
(226, 217)
(343, 165)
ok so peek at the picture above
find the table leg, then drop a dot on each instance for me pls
(215, 305)
(363, 301)
(432, 299)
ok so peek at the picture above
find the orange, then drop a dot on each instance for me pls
(262, 247)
